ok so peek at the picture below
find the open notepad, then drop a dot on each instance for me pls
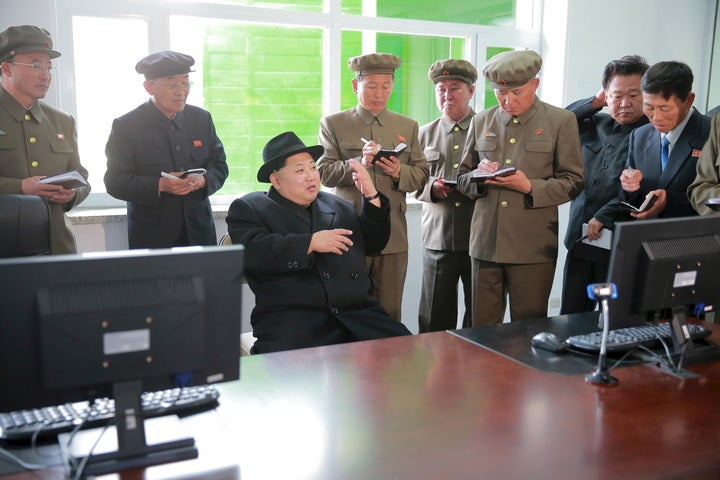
(69, 180)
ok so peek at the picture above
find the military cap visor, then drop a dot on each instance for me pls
(452, 69)
(512, 69)
(24, 39)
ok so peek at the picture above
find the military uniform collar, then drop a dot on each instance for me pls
(522, 118)
(368, 117)
(464, 124)
(178, 119)
(18, 111)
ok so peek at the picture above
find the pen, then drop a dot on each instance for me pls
(364, 140)
(581, 239)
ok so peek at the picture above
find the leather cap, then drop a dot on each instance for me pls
(164, 64)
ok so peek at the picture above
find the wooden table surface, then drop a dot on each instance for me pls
(435, 406)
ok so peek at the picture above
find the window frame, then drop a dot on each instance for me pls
(478, 38)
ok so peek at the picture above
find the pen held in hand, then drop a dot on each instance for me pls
(581, 239)
(365, 141)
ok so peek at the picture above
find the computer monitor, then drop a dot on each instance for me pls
(659, 265)
(79, 327)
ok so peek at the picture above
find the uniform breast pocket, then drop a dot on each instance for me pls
(61, 146)
(539, 147)
(199, 155)
(486, 146)
(431, 154)
(7, 142)
(352, 148)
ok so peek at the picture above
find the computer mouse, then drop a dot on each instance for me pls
(548, 341)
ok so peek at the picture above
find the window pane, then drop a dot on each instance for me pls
(495, 12)
(413, 94)
(304, 5)
(257, 81)
(106, 86)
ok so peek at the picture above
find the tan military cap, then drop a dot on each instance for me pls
(26, 38)
(512, 69)
(374, 63)
(452, 69)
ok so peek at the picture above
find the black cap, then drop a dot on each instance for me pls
(281, 147)
(164, 64)
(26, 38)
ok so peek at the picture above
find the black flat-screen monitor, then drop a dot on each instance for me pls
(79, 327)
(661, 264)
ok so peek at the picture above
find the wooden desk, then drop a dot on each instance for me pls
(436, 406)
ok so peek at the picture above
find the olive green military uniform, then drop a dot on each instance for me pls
(40, 140)
(514, 236)
(340, 135)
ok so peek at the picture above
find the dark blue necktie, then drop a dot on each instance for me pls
(664, 152)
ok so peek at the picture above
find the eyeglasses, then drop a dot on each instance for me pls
(45, 67)
(175, 87)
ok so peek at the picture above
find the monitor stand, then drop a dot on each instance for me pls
(682, 346)
(133, 451)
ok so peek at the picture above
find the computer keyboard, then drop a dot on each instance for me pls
(48, 421)
(624, 339)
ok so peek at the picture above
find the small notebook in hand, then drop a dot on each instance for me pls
(193, 172)
(481, 177)
(69, 180)
(713, 204)
(384, 153)
(647, 203)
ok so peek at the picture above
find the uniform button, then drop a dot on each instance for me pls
(34, 164)
(596, 182)
(376, 123)
(28, 117)
(456, 165)
(515, 120)
(178, 148)
(508, 161)
(455, 147)
(503, 204)
(32, 140)
(512, 140)
(457, 204)
(456, 129)
(335, 310)
(354, 275)
(326, 275)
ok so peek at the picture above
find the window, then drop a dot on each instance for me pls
(266, 67)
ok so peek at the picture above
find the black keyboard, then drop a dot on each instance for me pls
(624, 339)
(49, 421)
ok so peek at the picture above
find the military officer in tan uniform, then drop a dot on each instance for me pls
(446, 213)
(36, 140)
(514, 232)
(358, 133)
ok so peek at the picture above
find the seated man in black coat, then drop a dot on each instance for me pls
(305, 253)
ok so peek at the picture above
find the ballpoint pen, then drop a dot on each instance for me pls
(364, 140)
(581, 239)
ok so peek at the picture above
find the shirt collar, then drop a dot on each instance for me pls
(674, 134)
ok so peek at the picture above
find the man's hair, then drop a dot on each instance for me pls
(668, 78)
(627, 65)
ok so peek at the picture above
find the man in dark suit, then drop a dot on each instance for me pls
(662, 156)
(305, 253)
(604, 138)
(166, 136)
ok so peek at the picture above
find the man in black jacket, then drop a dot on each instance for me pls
(305, 253)
(604, 138)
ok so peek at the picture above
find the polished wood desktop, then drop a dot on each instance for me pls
(436, 406)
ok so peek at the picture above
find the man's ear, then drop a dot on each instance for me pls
(148, 84)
